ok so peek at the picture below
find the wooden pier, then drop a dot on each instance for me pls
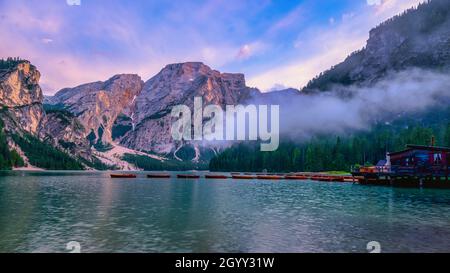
(415, 167)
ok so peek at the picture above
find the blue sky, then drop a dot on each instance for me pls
(275, 43)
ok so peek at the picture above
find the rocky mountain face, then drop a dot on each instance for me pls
(178, 84)
(23, 112)
(21, 95)
(65, 131)
(418, 38)
(98, 105)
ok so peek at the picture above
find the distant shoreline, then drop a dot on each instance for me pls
(28, 169)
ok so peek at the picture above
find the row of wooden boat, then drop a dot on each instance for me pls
(324, 178)
(117, 175)
(165, 176)
(314, 177)
(248, 176)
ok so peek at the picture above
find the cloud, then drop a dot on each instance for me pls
(374, 2)
(244, 52)
(47, 40)
(249, 50)
(287, 21)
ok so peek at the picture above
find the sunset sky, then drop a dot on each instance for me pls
(276, 44)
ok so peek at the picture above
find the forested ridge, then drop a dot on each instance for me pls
(44, 155)
(337, 153)
(8, 158)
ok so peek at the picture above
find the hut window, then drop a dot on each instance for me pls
(437, 158)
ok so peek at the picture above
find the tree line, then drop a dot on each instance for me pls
(44, 155)
(10, 62)
(8, 158)
(329, 153)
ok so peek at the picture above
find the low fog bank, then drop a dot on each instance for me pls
(346, 109)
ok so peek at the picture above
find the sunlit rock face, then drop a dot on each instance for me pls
(19, 85)
(21, 95)
(28, 117)
(97, 105)
(178, 84)
(65, 131)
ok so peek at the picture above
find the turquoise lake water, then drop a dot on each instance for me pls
(42, 212)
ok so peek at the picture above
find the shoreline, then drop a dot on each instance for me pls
(34, 169)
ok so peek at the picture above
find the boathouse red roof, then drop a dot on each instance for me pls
(422, 147)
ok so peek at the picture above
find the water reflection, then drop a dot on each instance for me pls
(42, 212)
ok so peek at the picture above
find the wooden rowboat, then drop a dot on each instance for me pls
(296, 177)
(123, 176)
(322, 178)
(188, 176)
(161, 175)
(328, 178)
(211, 176)
(270, 177)
(339, 179)
(243, 177)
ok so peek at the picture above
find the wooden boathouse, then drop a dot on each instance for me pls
(415, 167)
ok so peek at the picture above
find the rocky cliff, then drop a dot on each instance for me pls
(65, 131)
(23, 112)
(98, 105)
(21, 95)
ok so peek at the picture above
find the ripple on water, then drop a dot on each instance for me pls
(43, 213)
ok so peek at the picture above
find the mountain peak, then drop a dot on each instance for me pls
(19, 83)
(188, 70)
(185, 65)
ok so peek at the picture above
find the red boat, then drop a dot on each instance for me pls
(161, 175)
(212, 176)
(321, 178)
(188, 176)
(328, 178)
(270, 177)
(123, 176)
(243, 177)
(296, 177)
(350, 179)
(339, 179)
